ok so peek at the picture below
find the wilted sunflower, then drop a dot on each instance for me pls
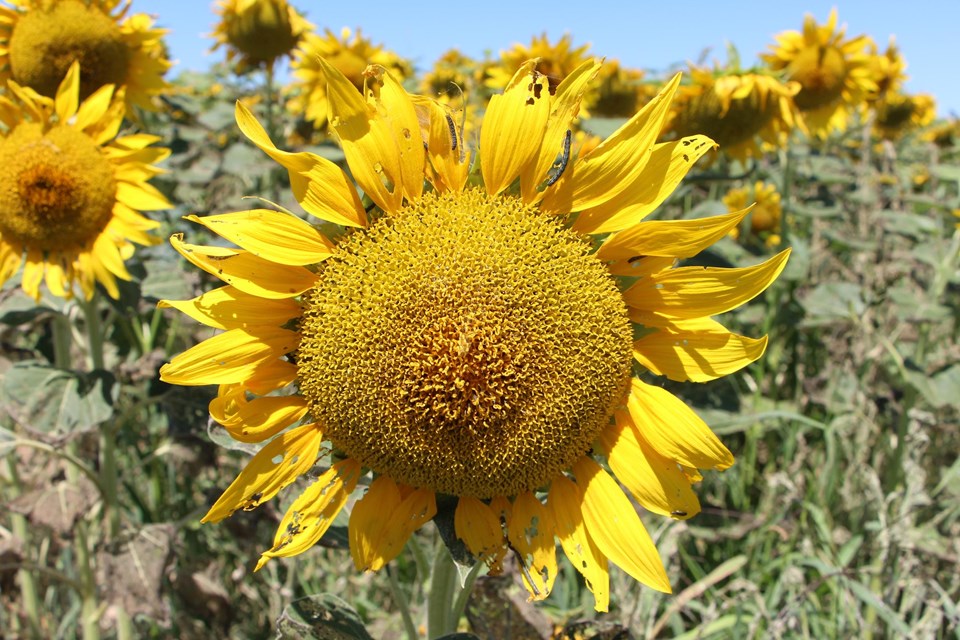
(898, 113)
(735, 108)
(350, 54)
(834, 73)
(70, 193)
(40, 39)
(467, 341)
(258, 32)
(766, 213)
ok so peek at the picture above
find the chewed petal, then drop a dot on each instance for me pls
(478, 525)
(531, 533)
(279, 463)
(310, 515)
(383, 520)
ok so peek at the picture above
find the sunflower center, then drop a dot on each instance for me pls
(262, 32)
(468, 344)
(821, 72)
(50, 36)
(57, 191)
(745, 117)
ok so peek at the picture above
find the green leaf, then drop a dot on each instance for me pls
(320, 617)
(941, 389)
(56, 402)
(863, 593)
(832, 301)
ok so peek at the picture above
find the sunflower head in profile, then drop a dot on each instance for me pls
(70, 190)
(899, 113)
(834, 72)
(258, 32)
(349, 53)
(40, 39)
(621, 92)
(469, 337)
(740, 110)
(887, 69)
(765, 216)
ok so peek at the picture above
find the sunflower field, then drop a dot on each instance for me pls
(323, 344)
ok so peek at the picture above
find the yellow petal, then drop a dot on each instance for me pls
(616, 163)
(57, 280)
(367, 140)
(247, 272)
(564, 503)
(383, 520)
(280, 462)
(674, 430)
(478, 525)
(639, 267)
(513, 127)
(94, 108)
(669, 238)
(10, 259)
(669, 162)
(531, 533)
(68, 93)
(449, 159)
(396, 105)
(695, 292)
(272, 235)
(230, 308)
(656, 482)
(310, 515)
(271, 377)
(699, 349)
(232, 356)
(320, 186)
(33, 268)
(258, 419)
(615, 527)
(141, 196)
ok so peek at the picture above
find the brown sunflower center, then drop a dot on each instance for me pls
(262, 32)
(468, 344)
(821, 72)
(50, 36)
(57, 191)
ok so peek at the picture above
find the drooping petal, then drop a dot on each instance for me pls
(696, 292)
(669, 238)
(272, 235)
(564, 504)
(513, 127)
(141, 196)
(280, 462)
(530, 531)
(698, 349)
(478, 525)
(232, 356)
(669, 162)
(383, 520)
(247, 272)
(10, 260)
(615, 527)
(674, 430)
(310, 515)
(229, 308)
(258, 419)
(94, 108)
(656, 482)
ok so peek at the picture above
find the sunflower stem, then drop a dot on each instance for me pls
(28, 582)
(91, 316)
(403, 604)
(443, 584)
(62, 342)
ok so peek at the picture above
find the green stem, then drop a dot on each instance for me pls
(28, 581)
(62, 342)
(89, 613)
(443, 584)
(91, 315)
(460, 603)
(403, 604)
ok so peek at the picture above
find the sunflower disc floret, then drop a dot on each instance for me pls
(481, 348)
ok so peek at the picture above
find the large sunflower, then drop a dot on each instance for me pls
(258, 32)
(472, 341)
(834, 72)
(40, 39)
(350, 53)
(737, 109)
(70, 193)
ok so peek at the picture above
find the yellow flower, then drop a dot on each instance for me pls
(898, 113)
(555, 61)
(257, 32)
(887, 70)
(735, 108)
(467, 341)
(766, 213)
(834, 73)
(40, 39)
(944, 134)
(451, 78)
(350, 55)
(70, 193)
(621, 92)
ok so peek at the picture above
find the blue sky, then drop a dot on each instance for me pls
(651, 35)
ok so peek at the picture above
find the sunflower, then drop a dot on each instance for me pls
(887, 70)
(765, 215)
(70, 193)
(258, 32)
(898, 113)
(465, 339)
(350, 54)
(40, 39)
(451, 78)
(621, 93)
(735, 108)
(834, 72)
(555, 61)
(944, 134)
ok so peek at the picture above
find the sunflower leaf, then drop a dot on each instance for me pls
(323, 616)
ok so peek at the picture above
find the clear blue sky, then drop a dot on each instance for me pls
(643, 34)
